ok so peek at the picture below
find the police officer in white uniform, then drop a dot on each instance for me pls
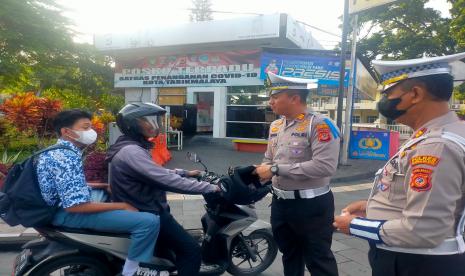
(301, 157)
(414, 217)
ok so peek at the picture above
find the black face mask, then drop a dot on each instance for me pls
(388, 107)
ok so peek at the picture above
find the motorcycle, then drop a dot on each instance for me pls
(232, 239)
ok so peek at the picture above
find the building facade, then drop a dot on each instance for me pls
(209, 75)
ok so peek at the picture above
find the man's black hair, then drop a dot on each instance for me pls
(68, 118)
(439, 86)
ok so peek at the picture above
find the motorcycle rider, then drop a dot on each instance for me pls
(137, 180)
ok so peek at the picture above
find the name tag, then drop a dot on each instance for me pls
(299, 134)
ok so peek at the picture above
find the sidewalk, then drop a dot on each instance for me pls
(219, 154)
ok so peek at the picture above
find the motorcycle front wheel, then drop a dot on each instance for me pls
(261, 247)
(73, 265)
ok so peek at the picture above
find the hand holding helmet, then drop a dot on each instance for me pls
(243, 186)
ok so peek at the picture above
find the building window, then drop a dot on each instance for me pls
(371, 119)
(356, 119)
(248, 114)
(172, 96)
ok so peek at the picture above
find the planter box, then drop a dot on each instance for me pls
(250, 145)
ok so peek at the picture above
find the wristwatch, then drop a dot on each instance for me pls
(274, 169)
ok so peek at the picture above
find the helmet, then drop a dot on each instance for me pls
(129, 116)
(243, 186)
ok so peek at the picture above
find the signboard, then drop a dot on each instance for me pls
(366, 86)
(233, 68)
(296, 33)
(362, 5)
(325, 69)
(370, 145)
(329, 90)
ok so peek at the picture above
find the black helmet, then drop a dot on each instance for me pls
(243, 186)
(128, 116)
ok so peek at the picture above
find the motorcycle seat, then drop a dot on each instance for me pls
(85, 231)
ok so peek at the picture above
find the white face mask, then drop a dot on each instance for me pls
(86, 137)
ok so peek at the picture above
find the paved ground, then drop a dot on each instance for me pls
(219, 154)
(350, 183)
(350, 252)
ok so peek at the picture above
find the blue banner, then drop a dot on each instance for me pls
(325, 69)
(369, 145)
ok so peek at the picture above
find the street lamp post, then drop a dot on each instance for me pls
(340, 100)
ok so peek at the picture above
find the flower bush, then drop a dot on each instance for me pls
(27, 126)
(31, 114)
(95, 168)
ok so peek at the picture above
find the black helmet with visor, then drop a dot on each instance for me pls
(132, 118)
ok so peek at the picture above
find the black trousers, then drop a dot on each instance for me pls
(389, 263)
(187, 251)
(303, 231)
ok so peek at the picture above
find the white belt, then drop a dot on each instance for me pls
(309, 193)
(449, 246)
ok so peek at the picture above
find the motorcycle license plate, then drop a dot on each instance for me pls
(21, 262)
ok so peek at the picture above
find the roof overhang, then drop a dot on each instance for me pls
(276, 30)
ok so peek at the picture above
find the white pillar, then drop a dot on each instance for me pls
(219, 113)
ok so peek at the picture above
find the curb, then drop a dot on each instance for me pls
(17, 239)
(361, 176)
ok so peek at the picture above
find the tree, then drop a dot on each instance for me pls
(406, 29)
(109, 101)
(458, 22)
(201, 11)
(37, 51)
(458, 32)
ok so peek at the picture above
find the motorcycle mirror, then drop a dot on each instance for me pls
(193, 157)
(230, 170)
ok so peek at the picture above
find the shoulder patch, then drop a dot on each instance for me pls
(420, 180)
(322, 126)
(332, 127)
(323, 132)
(425, 160)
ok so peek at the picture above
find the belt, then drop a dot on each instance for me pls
(449, 246)
(296, 194)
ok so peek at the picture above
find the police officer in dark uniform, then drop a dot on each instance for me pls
(301, 157)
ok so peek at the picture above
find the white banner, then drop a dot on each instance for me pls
(362, 5)
(231, 68)
(250, 76)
